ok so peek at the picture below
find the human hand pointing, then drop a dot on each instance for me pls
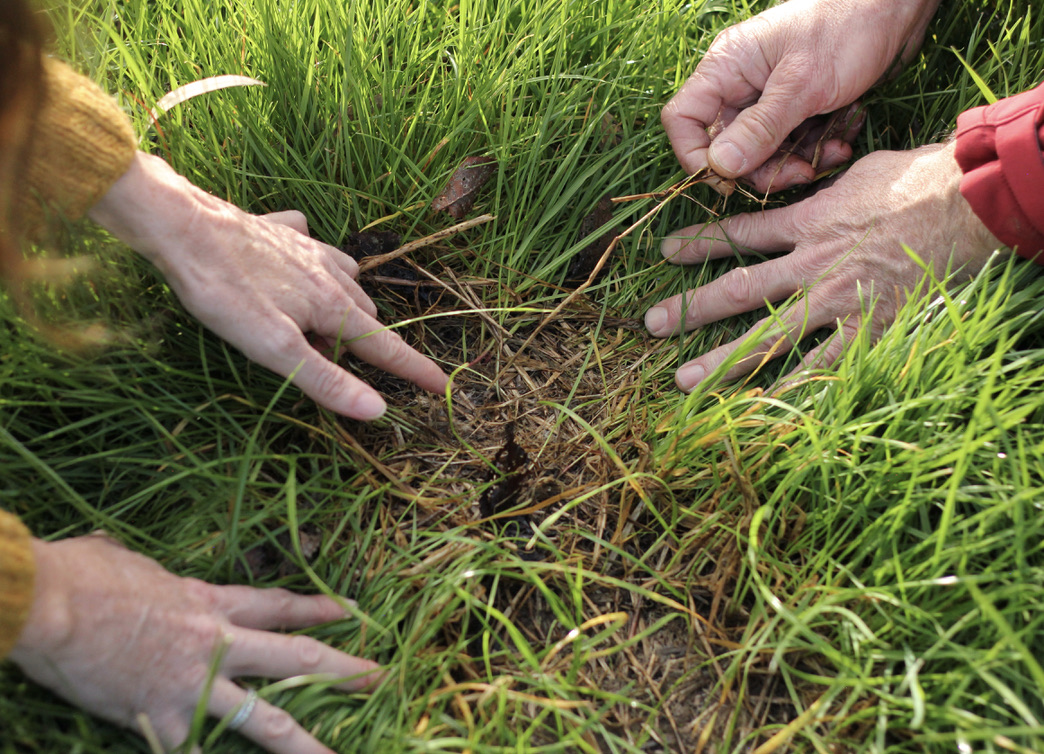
(262, 284)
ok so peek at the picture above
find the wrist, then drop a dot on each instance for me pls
(17, 578)
(978, 235)
(50, 619)
(151, 208)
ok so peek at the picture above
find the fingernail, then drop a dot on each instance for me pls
(670, 246)
(726, 159)
(656, 320)
(689, 376)
(368, 406)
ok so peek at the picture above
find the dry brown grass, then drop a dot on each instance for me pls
(593, 488)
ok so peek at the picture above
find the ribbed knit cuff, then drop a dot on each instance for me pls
(17, 573)
(81, 144)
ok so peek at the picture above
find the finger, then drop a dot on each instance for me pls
(343, 274)
(759, 130)
(820, 144)
(290, 218)
(842, 125)
(372, 342)
(834, 153)
(767, 340)
(287, 352)
(767, 231)
(328, 347)
(268, 726)
(801, 167)
(782, 172)
(296, 220)
(358, 295)
(849, 124)
(686, 118)
(827, 354)
(268, 609)
(822, 356)
(268, 655)
(345, 262)
(708, 100)
(818, 153)
(325, 382)
(739, 290)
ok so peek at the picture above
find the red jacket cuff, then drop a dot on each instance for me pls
(999, 151)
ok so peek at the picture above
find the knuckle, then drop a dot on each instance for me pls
(329, 382)
(199, 591)
(307, 650)
(281, 601)
(735, 227)
(762, 123)
(203, 631)
(737, 288)
(281, 340)
(296, 219)
(668, 114)
(398, 353)
(277, 724)
(727, 39)
(190, 677)
(350, 263)
(341, 309)
(330, 295)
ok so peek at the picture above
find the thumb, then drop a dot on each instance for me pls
(757, 131)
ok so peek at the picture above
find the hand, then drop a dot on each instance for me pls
(761, 79)
(846, 255)
(117, 635)
(261, 285)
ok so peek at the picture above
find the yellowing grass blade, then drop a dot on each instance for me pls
(196, 88)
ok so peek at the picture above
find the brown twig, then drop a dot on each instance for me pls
(370, 262)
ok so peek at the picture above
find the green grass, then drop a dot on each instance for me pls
(861, 554)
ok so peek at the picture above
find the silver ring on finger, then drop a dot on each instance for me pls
(246, 709)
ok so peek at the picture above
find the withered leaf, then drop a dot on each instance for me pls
(459, 194)
(511, 462)
(513, 468)
(611, 132)
(269, 558)
(584, 261)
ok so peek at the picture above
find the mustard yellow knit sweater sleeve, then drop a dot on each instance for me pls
(81, 144)
(17, 572)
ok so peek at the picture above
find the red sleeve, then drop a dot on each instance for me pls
(999, 151)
